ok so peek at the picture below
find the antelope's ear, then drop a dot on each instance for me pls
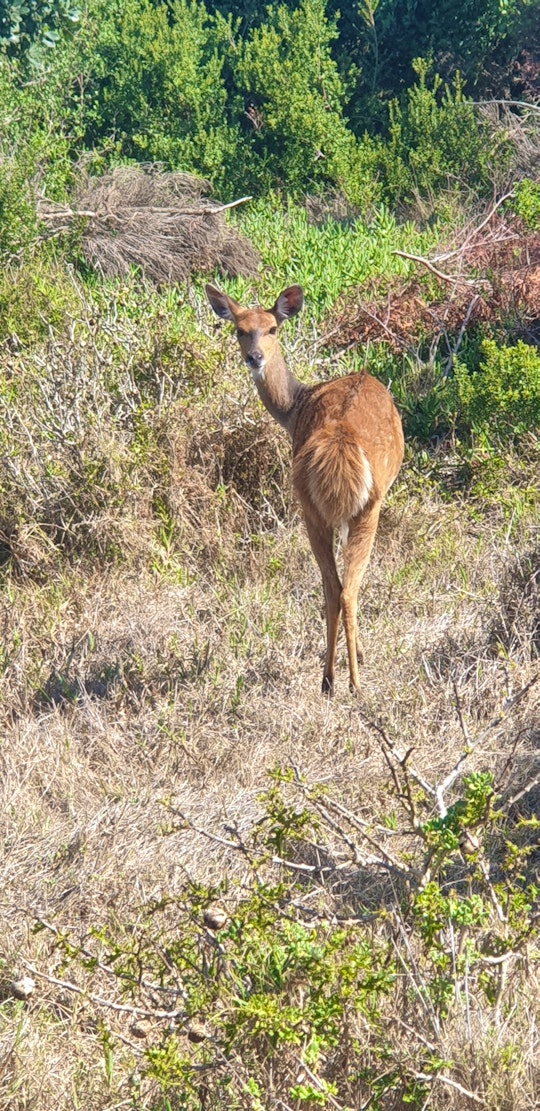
(288, 303)
(222, 305)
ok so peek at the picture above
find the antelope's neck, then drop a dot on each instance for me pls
(279, 391)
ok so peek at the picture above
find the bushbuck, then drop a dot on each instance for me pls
(347, 447)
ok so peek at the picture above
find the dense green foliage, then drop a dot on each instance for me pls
(30, 25)
(286, 97)
(502, 398)
(481, 38)
(153, 85)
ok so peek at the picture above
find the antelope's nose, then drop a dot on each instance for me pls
(255, 359)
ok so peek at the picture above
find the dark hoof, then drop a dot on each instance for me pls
(328, 687)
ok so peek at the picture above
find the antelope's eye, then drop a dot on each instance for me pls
(240, 333)
(272, 331)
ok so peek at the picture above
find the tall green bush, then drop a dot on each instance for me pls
(480, 38)
(36, 138)
(153, 87)
(436, 140)
(297, 98)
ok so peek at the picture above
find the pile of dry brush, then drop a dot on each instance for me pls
(490, 273)
(161, 222)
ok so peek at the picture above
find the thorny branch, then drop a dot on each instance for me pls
(496, 721)
(383, 857)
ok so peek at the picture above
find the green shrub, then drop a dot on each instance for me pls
(527, 203)
(18, 223)
(35, 298)
(491, 401)
(501, 400)
(28, 26)
(297, 99)
(154, 89)
(436, 140)
(290, 979)
(36, 138)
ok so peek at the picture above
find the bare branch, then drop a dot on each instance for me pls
(468, 242)
(497, 720)
(99, 1002)
(510, 104)
(529, 785)
(440, 1076)
(452, 279)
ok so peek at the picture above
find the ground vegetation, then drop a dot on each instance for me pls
(218, 889)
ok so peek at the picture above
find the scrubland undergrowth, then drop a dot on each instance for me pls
(229, 892)
(217, 891)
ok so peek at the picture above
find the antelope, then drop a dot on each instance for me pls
(347, 448)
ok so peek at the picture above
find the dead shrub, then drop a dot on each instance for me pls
(493, 280)
(249, 458)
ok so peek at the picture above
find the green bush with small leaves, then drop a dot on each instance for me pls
(436, 140)
(281, 989)
(499, 401)
(297, 98)
(154, 89)
(526, 203)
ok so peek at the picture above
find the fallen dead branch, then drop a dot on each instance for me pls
(469, 243)
(453, 279)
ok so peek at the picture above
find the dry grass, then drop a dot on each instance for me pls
(121, 693)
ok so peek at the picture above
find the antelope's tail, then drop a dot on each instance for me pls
(333, 468)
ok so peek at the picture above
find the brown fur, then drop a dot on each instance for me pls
(347, 444)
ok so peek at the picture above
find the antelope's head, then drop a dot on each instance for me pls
(256, 329)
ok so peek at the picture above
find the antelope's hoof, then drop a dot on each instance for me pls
(328, 687)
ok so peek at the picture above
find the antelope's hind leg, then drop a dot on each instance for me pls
(356, 553)
(321, 538)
